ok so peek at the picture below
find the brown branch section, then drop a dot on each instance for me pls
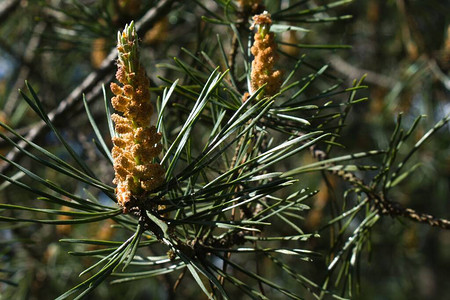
(25, 68)
(381, 203)
(393, 209)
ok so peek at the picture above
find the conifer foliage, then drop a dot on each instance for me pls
(199, 171)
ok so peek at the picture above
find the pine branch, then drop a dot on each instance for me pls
(384, 205)
(91, 86)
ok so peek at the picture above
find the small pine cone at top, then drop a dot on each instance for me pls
(252, 5)
(264, 50)
(137, 143)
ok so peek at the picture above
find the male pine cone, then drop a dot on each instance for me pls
(137, 143)
(265, 51)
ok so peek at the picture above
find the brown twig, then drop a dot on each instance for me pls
(388, 207)
(25, 69)
(179, 279)
(232, 56)
(384, 205)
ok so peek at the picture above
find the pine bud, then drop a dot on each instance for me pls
(137, 143)
(265, 51)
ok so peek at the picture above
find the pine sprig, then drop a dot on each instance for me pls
(229, 215)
